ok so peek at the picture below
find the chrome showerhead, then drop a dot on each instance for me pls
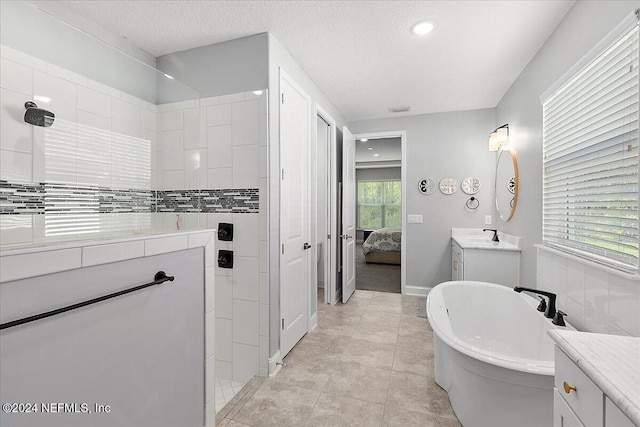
(37, 116)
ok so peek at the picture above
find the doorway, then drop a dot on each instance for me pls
(379, 213)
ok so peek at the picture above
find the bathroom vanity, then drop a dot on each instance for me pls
(117, 342)
(474, 256)
(596, 380)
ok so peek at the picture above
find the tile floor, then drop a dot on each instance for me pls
(368, 363)
(225, 391)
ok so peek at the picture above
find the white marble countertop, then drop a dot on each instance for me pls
(612, 362)
(37, 260)
(475, 238)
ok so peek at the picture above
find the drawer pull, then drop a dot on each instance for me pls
(568, 388)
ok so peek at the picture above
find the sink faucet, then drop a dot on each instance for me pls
(550, 312)
(495, 234)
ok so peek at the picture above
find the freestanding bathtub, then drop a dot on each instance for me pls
(492, 354)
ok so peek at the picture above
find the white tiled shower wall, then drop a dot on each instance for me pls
(232, 153)
(74, 99)
(595, 300)
(209, 143)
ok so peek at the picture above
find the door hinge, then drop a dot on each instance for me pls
(283, 174)
(328, 236)
(283, 249)
(283, 323)
(282, 98)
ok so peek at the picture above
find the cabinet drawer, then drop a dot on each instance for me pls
(563, 416)
(613, 416)
(587, 399)
(457, 251)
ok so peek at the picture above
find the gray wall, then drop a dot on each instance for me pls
(233, 66)
(141, 353)
(438, 146)
(582, 28)
(280, 58)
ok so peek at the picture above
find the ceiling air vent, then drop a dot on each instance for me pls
(400, 109)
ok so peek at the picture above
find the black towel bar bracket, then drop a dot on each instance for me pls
(158, 279)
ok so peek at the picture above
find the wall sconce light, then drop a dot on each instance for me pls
(499, 138)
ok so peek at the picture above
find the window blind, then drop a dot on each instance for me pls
(590, 158)
(84, 170)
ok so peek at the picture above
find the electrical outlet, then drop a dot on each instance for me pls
(414, 219)
(487, 220)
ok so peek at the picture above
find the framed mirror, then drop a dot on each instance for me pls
(506, 184)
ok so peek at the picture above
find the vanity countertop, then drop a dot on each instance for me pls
(475, 238)
(611, 361)
(36, 260)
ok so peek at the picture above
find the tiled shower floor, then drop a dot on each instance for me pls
(225, 390)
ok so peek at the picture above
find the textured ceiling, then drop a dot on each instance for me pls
(360, 53)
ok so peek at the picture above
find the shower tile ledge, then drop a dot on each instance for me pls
(36, 260)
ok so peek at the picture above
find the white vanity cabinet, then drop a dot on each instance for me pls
(499, 265)
(595, 372)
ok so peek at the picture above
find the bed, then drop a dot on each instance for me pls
(383, 246)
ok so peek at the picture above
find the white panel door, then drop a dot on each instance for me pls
(348, 214)
(294, 213)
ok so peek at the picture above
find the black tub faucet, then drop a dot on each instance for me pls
(550, 312)
(495, 234)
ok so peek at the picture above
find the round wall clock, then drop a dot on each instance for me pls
(470, 185)
(511, 185)
(448, 185)
(426, 186)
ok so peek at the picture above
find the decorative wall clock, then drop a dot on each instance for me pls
(448, 185)
(511, 185)
(426, 186)
(470, 185)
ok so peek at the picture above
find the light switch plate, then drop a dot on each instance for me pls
(487, 220)
(414, 219)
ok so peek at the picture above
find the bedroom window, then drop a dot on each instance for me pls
(379, 204)
(590, 155)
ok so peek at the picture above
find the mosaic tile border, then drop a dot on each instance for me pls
(38, 198)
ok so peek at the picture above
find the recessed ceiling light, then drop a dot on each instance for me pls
(168, 76)
(364, 140)
(376, 155)
(422, 28)
(257, 92)
(369, 148)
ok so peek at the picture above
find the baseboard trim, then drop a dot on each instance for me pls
(275, 363)
(420, 291)
(313, 322)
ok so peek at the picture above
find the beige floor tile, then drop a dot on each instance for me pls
(359, 382)
(307, 370)
(418, 393)
(376, 333)
(278, 404)
(414, 360)
(366, 353)
(381, 318)
(387, 296)
(385, 305)
(397, 417)
(335, 328)
(361, 293)
(333, 410)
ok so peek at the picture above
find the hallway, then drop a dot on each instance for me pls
(368, 363)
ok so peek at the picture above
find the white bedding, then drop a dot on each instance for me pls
(383, 240)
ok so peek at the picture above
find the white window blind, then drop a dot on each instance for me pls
(590, 157)
(84, 165)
